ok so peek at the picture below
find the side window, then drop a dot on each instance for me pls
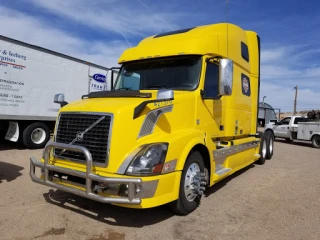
(211, 83)
(297, 120)
(285, 121)
(244, 51)
(131, 81)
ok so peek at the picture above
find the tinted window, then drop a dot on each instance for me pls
(244, 51)
(285, 121)
(177, 73)
(298, 119)
(211, 83)
(173, 32)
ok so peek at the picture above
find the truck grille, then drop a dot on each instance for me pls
(95, 140)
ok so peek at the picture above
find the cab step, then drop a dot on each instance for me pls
(220, 170)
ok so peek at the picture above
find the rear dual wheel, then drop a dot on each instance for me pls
(266, 147)
(270, 144)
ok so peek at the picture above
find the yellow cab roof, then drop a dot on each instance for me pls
(201, 40)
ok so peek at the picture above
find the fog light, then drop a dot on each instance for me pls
(123, 190)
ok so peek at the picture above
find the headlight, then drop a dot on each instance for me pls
(149, 161)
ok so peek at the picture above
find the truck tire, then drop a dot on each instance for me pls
(316, 141)
(270, 144)
(263, 148)
(36, 135)
(188, 200)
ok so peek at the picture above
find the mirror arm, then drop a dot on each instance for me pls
(59, 98)
(215, 58)
(201, 93)
(62, 104)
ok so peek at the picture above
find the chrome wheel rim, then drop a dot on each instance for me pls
(264, 148)
(271, 145)
(190, 182)
(38, 135)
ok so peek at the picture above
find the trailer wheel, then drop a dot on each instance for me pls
(36, 135)
(316, 141)
(270, 144)
(190, 191)
(263, 148)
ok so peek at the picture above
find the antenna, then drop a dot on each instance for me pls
(227, 9)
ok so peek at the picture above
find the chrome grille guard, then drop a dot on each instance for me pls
(132, 183)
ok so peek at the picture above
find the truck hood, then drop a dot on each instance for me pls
(128, 132)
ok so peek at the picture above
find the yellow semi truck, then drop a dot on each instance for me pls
(182, 115)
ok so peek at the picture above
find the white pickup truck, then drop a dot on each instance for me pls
(296, 128)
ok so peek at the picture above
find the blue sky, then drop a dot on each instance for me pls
(99, 30)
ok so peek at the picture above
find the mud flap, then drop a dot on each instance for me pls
(12, 132)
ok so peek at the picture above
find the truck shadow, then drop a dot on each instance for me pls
(9, 172)
(107, 213)
(216, 187)
(7, 145)
(114, 215)
(295, 143)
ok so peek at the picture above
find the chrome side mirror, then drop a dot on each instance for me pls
(59, 98)
(225, 77)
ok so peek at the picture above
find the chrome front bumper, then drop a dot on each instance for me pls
(133, 184)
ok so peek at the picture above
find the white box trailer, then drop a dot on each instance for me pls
(30, 76)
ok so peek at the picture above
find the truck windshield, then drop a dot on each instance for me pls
(179, 73)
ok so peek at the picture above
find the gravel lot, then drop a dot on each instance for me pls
(278, 200)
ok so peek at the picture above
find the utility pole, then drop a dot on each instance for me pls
(295, 101)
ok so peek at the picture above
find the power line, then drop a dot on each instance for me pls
(295, 101)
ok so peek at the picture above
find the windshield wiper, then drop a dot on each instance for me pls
(155, 86)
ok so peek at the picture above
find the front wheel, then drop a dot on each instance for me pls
(192, 185)
(316, 141)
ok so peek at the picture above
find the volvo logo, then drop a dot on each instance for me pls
(79, 136)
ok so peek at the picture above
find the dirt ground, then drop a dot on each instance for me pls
(278, 200)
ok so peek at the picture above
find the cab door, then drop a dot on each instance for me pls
(208, 112)
(282, 128)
